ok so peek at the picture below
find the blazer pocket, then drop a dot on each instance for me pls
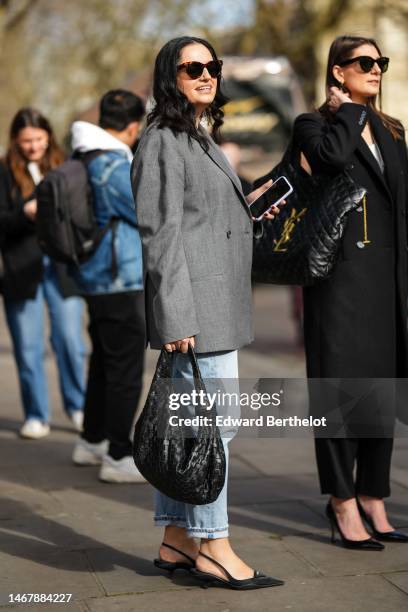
(203, 256)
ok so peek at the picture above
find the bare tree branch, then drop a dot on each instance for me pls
(17, 16)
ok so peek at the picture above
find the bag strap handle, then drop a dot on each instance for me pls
(200, 383)
(198, 380)
(193, 360)
(194, 364)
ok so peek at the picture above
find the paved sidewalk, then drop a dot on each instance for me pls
(63, 531)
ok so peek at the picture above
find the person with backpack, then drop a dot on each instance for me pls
(32, 279)
(112, 282)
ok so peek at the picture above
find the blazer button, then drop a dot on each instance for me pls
(360, 244)
(229, 234)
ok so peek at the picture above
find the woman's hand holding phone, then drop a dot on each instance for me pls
(251, 197)
(273, 210)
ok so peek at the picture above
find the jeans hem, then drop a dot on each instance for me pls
(165, 521)
(207, 534)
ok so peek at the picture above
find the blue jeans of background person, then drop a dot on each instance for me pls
(25, 319)
(208, 521)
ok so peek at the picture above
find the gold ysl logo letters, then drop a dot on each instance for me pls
(287, 230)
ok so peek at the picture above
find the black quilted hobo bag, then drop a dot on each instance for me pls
(300, 246)
(189, 469)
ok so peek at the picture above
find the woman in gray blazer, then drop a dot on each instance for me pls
(196, 232)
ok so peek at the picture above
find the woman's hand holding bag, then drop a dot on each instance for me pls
(187, 468)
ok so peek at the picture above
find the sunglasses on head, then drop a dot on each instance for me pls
(196, 69)
(366, 62)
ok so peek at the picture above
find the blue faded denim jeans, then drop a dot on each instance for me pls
(25, 320)
(208, 521)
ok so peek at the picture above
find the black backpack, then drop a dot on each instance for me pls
(66, 225)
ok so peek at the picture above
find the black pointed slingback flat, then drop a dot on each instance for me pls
(258, 580)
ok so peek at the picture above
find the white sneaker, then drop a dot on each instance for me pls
(77, 418)
(34, 429)
(121, 470)
(86, 453)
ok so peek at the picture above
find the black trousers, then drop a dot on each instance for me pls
(117, 331)
(337, 458)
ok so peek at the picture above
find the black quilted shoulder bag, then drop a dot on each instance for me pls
(188, 468)
(300, 246)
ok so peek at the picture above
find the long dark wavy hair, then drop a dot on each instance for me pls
(341, 49)
(172, 108)
(53, 156)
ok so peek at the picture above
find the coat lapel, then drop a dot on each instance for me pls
(389, 151)
(364, 151)
(388, 148)
(387, 145)
(218, 157)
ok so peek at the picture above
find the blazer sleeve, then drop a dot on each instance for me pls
(158, 184)
(13, 221)
(329, 148)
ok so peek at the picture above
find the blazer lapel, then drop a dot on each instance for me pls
(217, 156)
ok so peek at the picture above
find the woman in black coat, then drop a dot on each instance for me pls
(31, 279)
(355, 322)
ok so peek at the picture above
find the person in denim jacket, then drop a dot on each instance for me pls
(113, 199)
(112, 284)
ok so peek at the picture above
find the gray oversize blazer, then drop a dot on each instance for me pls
(196, 234)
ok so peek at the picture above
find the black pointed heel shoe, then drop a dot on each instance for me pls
(384, 536)
(258, 580)
(171, 566)
(368, 544)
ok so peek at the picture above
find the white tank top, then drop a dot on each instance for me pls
(375, 150)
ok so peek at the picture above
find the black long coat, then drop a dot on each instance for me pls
(21, 253)
(355, 322)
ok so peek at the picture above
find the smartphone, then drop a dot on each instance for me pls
(273, 196)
